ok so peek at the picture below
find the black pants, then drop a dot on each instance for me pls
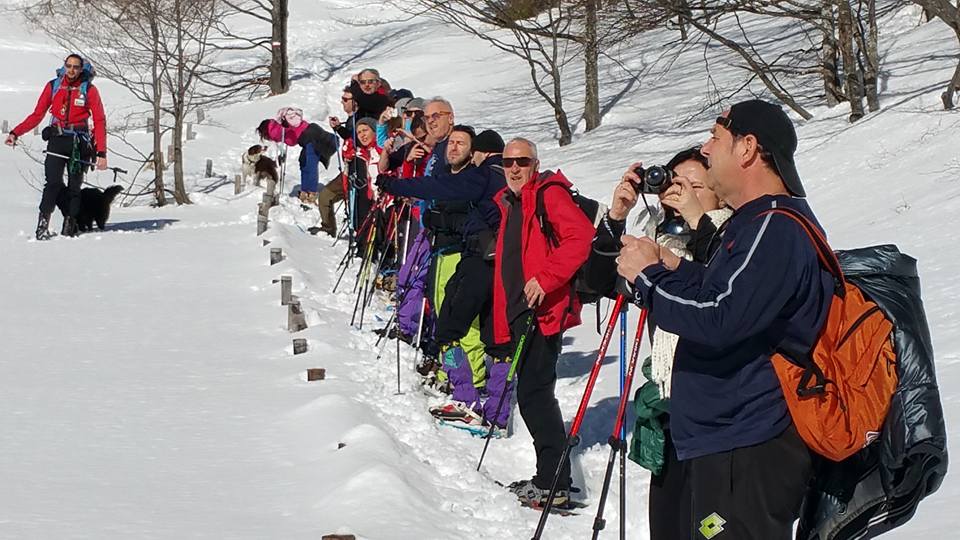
(669, 506)
(751, 493)
(468, 295)
(536, 384)
(54, 192)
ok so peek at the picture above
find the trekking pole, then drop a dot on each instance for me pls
(573, 438)
(529, 326)
(423, 309)
(114, 170)
(364, 269)
(623, 429)
(618, 441)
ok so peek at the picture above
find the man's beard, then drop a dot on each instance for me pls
(457, 165)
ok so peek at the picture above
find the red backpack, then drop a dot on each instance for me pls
(838, 395)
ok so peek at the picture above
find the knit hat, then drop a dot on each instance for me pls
(369, 122)
(488, 140)
(416, 103)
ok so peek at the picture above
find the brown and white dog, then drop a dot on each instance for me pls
(258, 166)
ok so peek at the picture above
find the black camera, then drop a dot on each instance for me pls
(654, 180)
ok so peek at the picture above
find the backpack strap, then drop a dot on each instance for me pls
(541, 213)
(828, 259)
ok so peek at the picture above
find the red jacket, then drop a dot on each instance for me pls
(554, 268)
(370, 156)
(80, 111)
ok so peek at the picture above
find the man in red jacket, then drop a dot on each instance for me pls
(534, 275)
(72, 100)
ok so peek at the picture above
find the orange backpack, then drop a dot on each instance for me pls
(839, 394)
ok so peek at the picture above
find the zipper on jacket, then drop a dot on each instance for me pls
(860, 320)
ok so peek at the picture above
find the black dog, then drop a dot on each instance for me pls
(95, 207)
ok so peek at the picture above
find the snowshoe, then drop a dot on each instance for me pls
(535, 497)
(476, 429)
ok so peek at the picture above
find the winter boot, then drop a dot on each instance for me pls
(457, 367)
(43, 227)
(70, 227)
(531, 495)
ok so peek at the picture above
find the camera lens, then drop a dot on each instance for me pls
(656, 176)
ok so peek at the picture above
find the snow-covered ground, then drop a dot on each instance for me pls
(147, 383)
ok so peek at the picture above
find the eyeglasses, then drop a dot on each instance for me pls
(368, 81)
(73, 66)
(346, 99)
(520, 161)
(413, 113)
(437, 115)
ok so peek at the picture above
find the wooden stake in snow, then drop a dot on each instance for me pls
(261, 224)
(299, 345)
(237, 185)
(286, 290)
(209, 171)
(316, 374)
(276, 255)
(338, 537)
(296, 320)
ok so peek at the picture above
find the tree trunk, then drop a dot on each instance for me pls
(683, 8)
(851, 75)
(828, 59)
(953, 87)
(279, 69)
(159, 191)
(871, 65)
(591, 108)
(179, 110)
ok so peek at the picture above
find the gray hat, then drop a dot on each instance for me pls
(416, 103)
(402, 103)
(369, 122)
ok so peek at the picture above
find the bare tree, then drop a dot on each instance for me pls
(947, 12)
(272, 13)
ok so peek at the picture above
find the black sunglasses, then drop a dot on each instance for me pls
(73, 66)
(520, 161)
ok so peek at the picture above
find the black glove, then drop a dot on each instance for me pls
(383, 182)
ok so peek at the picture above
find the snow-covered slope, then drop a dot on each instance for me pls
(147, 382)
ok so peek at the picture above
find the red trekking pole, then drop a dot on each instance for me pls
(617, 441)
(573, 438)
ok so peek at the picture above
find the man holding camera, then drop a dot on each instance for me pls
(747, 468)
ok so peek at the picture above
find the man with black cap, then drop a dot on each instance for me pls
(467, 294)
(747, 468)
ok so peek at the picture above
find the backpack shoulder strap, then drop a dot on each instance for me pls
(828, 259)
(541, 213)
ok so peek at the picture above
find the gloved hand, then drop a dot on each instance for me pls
(383, 182)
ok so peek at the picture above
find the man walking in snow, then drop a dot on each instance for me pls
(763, 290)
(72, 100)
(534, 276)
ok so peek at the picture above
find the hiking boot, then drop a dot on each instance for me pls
(432, 386)
(428, 366)
(531, 495)
(456, 411)
(70, 227)
(43, 227)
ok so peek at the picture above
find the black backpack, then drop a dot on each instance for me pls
(594, 210)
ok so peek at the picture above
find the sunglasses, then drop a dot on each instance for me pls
(346, 99)
(508, 162)
(73, 66)
(368, 81)
(413, 113)
(436, 116)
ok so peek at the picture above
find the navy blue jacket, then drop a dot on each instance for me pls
(477, 185)
(763, 289)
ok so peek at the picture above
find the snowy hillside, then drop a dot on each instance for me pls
(147, 383)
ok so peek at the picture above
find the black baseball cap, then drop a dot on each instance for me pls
(775, 133)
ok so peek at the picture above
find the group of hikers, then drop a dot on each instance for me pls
(490, 256)
(785, 381)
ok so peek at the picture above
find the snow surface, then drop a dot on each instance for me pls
(147, 383)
